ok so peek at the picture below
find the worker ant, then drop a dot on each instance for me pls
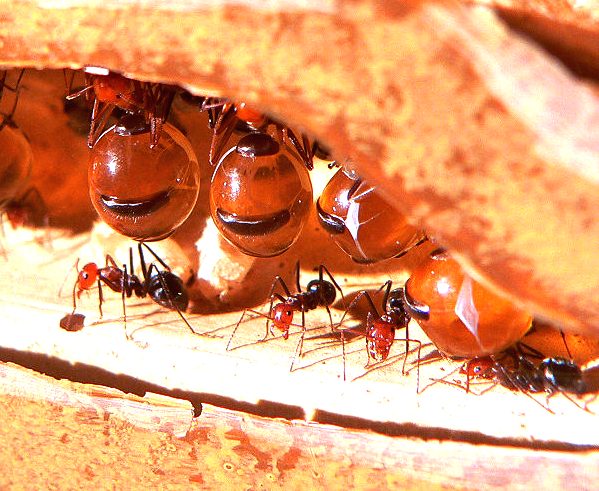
(381, 328)
(163, 286)
(111, 90)
(361, 222)
(515, 369)
(319, 293)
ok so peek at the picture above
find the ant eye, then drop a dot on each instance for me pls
(84, 275)
(142, 192)
(363, 224)
(260, 195)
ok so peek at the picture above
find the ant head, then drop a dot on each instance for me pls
(87, 276)
(110, 88)
(477, 367)
(282, 317)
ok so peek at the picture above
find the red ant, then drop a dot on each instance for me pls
(164, 287)
(318, 293)
(225, 117)
(380, 328)
(112, 90)
(515, 370)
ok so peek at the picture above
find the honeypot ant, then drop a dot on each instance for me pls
(112, 90)
(164, 287)
(22, 206)
(319, 293)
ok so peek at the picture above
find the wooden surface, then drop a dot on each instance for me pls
(98, 438)
(433, 81)
(498, 438)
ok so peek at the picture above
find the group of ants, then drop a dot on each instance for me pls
(519, 368)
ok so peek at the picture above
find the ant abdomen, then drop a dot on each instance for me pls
(260, 195)
(168, 290)
(140, 191)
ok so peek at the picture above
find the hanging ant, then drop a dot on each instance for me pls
(164, 287)
(380, 328)
(22, 205)
(319, 293)
(224, 117)
(112, 90)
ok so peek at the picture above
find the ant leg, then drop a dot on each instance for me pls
(225, 124)
(100, 116)
(237, 326)
(565, 343)
(421, 241)
(322, 268)
(297, 277)
(156, 256)
(170, 297)
(304, 154)
(300, 344)
(123, 293)
(100, 297)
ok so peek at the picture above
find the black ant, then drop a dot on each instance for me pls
(515, 370)
(112, 90)
(163, 286)
(319, 293)
(380, 328)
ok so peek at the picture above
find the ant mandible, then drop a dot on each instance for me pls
(112, 90)
(319, 293)
(164, 287)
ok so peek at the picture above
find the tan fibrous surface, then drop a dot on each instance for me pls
(465, 125)
(64, 435)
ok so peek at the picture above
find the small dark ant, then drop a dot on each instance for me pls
(319, 293)
(163, 287)
(380, 328)
(112, 90)
(515, 370)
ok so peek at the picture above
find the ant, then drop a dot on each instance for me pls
(380, 328)
(22, 205)
(112, 90)
(224, 117)
(163, 286)
(319, 293)
(515, 370)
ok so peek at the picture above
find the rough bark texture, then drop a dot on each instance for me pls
(478, 135)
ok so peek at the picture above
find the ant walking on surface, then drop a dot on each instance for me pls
(319, 292)
(380, 328)
(163, 286)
